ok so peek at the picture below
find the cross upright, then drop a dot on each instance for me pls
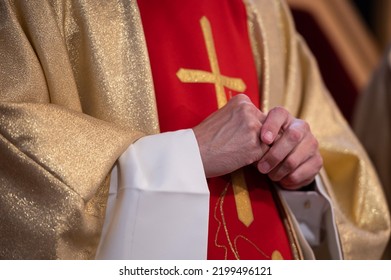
(242, 199)
(214, 77)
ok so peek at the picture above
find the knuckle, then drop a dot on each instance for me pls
(240, 101)
(247, 113)
(314, 143)
(294, 134)
(237, 100)
(293, 179)
(279, 112)
(253, 125)
(290, 164)
(243, 107)
(241, 97)
(313, 147)
(301, 125)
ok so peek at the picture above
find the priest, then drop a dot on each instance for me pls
(173, 130)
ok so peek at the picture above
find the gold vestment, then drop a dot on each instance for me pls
(76, 90)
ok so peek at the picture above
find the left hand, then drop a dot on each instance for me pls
(293, 159)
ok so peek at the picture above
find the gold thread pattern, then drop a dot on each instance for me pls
(276, 255)
(252, 243)
(219, 205)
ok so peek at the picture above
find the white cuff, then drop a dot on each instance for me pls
(314, 213)
(161, 207)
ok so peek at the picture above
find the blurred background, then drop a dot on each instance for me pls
(376, 16)
(348, 38)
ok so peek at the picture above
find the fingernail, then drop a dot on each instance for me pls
(268, 136)
(264, 167)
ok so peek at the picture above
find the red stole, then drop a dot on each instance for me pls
(175, 40)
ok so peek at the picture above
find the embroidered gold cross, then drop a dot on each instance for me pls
(242, 199)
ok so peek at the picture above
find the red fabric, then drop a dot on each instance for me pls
(175, 40)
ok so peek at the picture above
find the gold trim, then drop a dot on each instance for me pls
(219, 205)
(253, 244)
(276, 255)
(242, 198)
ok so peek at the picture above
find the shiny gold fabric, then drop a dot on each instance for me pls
(290, 78)
(76, 90)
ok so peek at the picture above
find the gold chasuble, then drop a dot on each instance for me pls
(197, 66)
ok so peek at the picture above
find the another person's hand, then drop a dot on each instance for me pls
(293, 159)
(229, 138)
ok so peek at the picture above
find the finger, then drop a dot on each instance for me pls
(304, 174)
(304, 150)
(285, 145)
(263, 149)
(278, 118)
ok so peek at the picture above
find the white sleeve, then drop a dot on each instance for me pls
(314, 214)
(160, 208)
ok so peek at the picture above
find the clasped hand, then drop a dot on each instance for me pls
(239, 134)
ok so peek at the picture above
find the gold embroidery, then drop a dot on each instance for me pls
(243, 203)
(220, 203)
(252, 243)
(276, 255)
(242, 198)
(214, 77)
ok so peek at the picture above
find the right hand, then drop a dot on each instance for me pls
(229, 138)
